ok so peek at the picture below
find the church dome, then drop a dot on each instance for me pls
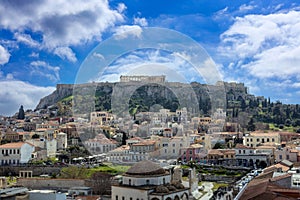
(146, 167)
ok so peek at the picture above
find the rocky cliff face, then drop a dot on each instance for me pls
(107, 96)
(62, 91)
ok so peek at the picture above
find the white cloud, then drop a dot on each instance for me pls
(26, 39)
(140, 21)
(34, 55)
(151, 62)
(4, 55)
(98, 55)
(245, 7)
(9, 76)
(65, 53)
(121, 7)
(125, 31)
(267, 46)
(296, 85)
(14, 93)
(43, 69)
(61, 23)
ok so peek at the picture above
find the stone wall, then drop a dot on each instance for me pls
(217, 178)
(37, 171)
(47, 183)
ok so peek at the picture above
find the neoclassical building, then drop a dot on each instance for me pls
(146, 180)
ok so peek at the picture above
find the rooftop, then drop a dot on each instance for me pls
(14, 145)
(146, 167)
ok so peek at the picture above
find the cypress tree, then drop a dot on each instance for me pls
(21, 114)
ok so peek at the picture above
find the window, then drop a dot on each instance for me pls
(129, 181)
(147, 182)
(244, 151)
(268, 140)
(257, 140)
(251, 140)
(116, 197)
(173, 150)
(240, 151)
(247, 139)
(123, 198)
(273, 140)
(173, 145)
(287, 157)
(280, 157)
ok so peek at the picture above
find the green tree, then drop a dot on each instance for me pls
(251, 125)
(101, 183)
(74, 172)
(21, 114)
(218, 145)
(35, 136)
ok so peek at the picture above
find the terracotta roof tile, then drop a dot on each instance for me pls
(13, 145)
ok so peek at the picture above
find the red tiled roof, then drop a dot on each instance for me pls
(14, 145)
(275, 167)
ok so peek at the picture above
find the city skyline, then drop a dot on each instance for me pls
(44, 43)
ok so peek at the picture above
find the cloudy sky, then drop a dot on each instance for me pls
(44, 42)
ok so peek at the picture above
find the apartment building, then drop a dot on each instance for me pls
(16, 153)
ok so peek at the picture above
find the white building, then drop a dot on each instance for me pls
(247, 156)
(62, 140)
(120, 154)
(148, 181)
(16, 153)
(169, 148)
(136, 150)
(46, 195)
(100, 144)
(50, 146)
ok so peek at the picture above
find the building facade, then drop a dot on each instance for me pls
(16, 153)
(148, 181)
(255, 139)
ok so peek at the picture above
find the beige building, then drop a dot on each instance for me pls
(169, 148)
(255, 139)
(146, 180)
(136, 150)
(101, 118)
(100, 144)
(287, 153)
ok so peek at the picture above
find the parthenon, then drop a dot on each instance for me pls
(135, 78)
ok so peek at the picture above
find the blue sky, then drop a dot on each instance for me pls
(44, 42)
